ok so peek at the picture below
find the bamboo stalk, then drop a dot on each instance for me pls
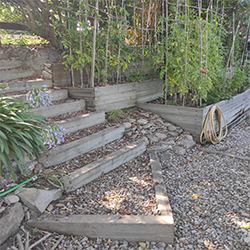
(245, 48)
(92, 79)
(70, 51)
(86, 20)
(166, 52)
(155, 24)
(119, 48)
(200, 28)
(186, 66)
(142, 34)
(80, 19)
(107, 43)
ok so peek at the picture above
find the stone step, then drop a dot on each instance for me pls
(95, 169)
(60, 109)
(81, 122)
(10, 64)
(81, 146)
(15, 74)
(57, 95)
(27, 85)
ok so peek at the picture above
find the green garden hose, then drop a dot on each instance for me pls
(12, 189)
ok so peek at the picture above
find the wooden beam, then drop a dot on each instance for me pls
(116, 227)
(12, 26)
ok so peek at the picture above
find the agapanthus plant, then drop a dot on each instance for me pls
(39, 97)
(53, 135)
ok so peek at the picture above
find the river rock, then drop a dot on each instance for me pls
(127, 125)
(187, 141)
(172, 128)
(37, 199)
(142, 121)
(161, 136)
(180, 150)
(9, 224)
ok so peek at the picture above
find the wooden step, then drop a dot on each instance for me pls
(116, 227)
(80, 122)
(57, 95)
(76, 148)
(16, 74)
(4, 56)
(94, 170)
(60, 109)
(27, 85)
(10, 64)
(126, 227)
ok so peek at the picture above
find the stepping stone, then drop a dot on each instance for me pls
(38, 199)
(9, 223)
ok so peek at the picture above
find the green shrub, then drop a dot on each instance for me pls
(115, 114)
(20, 134)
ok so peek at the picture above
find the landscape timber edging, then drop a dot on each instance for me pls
(27, 85)
(94, 170)
(81, 146)
(83, 121)
(60, 109)
(119, 227)
(118, 96)
(57, 95)
(192, 119)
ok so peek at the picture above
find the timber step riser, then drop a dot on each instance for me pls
(5, 65)
(60, 109)
(94, 170)
(27, 85)
(76, 148)
(16, 74)
(57, 95)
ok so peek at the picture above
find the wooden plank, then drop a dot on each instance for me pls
(16, 74)
(111, 90)
(189, 119)
(94, 170)
(160, 187)
(231, 108)
(115, 227)
(4, 56)
(148, 98)
(27, 85)
(119, 96)
(57, 95)
(12, 26)
(10, 64)
(80, 122)
(60, 109)
(172, 110)
(153, 84)
(61, 75)
(76, 148)
(115, 105)
(81, 93)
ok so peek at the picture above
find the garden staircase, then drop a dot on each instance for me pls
(12, 73)
(63, 106)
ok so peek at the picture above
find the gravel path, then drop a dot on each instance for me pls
(209, 194)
